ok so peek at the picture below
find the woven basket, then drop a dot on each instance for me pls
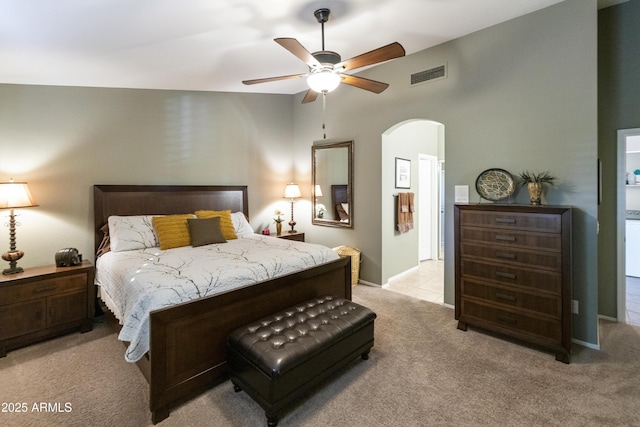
(355, 255)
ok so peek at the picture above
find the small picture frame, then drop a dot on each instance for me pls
(403, 173)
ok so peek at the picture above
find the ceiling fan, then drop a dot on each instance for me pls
(326, 68)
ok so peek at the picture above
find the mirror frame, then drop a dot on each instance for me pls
(323, 146)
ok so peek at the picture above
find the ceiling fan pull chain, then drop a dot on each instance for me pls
(324, 115)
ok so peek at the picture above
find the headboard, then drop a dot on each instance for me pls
(163, 200)
(339, 194)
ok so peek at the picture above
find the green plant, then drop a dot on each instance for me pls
(541, 177)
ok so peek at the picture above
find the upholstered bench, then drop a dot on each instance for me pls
(278, 358)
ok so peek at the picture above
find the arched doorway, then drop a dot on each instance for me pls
(421, 142)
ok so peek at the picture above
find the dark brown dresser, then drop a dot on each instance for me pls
(513, 272)
(43, 302)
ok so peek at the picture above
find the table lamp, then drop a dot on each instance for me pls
(14, 195)
(292, 192)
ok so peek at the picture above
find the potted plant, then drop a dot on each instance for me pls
(535, 182)
(278, 221)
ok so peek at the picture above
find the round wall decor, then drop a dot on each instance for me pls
(495, 184)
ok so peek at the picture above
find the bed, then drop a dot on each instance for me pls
(186, 345)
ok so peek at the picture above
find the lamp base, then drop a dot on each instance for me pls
(12, 270)
(12, 256)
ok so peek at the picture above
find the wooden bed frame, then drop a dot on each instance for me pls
(187, 341)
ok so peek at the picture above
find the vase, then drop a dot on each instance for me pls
(278, 228)
(535, 192)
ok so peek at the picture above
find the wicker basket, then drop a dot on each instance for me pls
(355, 255)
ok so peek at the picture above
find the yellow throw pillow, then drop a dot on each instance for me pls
(226, 224)
(172, 230)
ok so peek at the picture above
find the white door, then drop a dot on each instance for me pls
(428, 208)
(632, 247)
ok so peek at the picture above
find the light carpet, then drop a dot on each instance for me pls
(422, 371)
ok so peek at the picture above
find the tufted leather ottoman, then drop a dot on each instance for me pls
(278, 358)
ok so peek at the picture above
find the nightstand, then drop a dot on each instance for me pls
(43, 302)
(297, 236)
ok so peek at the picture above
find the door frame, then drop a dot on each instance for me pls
(621, 216)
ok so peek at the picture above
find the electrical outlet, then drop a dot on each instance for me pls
(575, 306)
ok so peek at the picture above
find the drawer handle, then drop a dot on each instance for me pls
(505, 318)
(505, 275)
(505, 297)
(505, 255)
(505, 238)
(45, 288)
(505, 220)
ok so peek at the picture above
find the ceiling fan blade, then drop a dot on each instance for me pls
(273, 79)
(294, 46)
(362, 83)
(310, 96)
(384, 53)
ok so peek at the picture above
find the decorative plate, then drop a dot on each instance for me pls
(495, 184)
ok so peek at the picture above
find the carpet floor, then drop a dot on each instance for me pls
(422, 371)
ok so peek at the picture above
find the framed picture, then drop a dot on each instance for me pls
(403, 173)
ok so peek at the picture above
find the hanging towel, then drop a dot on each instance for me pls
(406, 209)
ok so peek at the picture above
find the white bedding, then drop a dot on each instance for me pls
(134, 283)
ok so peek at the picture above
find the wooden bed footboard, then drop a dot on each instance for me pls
(187, 348)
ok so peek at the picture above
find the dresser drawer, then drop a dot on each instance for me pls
(516, 321)
(545, 223)
(23, 318)
(511, 255)
(546, 241)
(548, 305)
(527, 278)
(42, 288)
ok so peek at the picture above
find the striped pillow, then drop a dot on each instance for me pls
(172, 230)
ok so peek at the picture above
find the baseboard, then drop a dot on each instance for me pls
(396, 276)
(611, 319)
(586, 344)
(375, 285)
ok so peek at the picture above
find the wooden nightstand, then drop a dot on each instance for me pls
(43, 302)
(297, 236)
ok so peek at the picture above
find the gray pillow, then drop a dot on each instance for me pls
(205, 231)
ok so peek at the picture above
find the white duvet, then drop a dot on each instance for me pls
(134, 283)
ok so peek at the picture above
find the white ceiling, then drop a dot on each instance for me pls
(213, 45)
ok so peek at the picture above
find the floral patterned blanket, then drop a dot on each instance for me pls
(134, 283)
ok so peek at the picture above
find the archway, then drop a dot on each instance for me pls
(415, 140)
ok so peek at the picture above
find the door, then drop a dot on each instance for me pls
(428, 208)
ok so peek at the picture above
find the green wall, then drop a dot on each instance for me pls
(618, 108)
(519, 95)
(63, 140)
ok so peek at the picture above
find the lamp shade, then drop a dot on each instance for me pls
(318, 191)
(292, 191)
(323, 81)
(15, 195)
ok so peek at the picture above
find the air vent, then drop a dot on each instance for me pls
(435, 73)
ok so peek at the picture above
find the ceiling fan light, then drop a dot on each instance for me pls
(323, 81)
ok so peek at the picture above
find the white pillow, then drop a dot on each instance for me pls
(345, 206)
(241, 224)
(127, 233)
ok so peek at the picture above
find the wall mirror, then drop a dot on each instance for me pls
(332, 192)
